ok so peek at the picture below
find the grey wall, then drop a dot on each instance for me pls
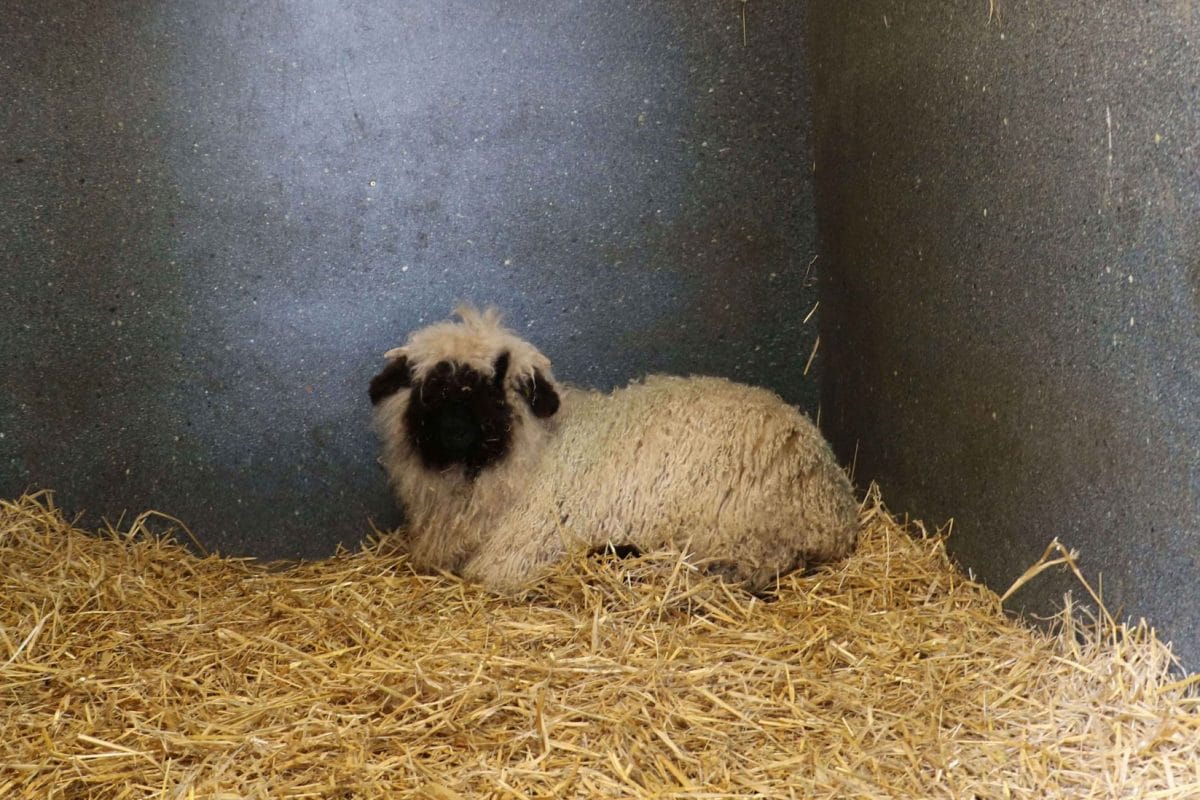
(1010, 220)
(216, 217)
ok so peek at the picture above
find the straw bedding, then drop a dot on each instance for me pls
(130, 668)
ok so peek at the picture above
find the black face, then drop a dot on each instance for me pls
(456, 416)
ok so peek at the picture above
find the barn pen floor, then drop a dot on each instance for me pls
(130, 668)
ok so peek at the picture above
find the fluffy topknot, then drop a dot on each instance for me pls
(475, 341)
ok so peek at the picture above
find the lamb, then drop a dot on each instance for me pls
(502, 471)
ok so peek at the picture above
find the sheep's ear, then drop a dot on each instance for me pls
(540, 394)
(395, 376)
(500, 370)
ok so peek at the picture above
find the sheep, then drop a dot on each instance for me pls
(502, 471)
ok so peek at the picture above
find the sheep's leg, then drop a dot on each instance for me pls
(756, 579)
(619, 551)
(507, 566)
(784, 533)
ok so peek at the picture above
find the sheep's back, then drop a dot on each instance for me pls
(655, 461)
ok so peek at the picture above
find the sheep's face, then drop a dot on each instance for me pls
(456, 416)
(461, 400)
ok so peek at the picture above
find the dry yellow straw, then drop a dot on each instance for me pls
(130, 668)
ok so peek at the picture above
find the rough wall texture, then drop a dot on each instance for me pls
(1009, 214)
(216, 218)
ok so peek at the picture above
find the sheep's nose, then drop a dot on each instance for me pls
(456, 432)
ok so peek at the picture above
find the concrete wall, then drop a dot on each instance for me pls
(216, 218)
(1009, 215)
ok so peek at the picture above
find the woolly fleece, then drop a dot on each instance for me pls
(726, 472)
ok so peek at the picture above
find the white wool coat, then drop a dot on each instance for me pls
(729, 473)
